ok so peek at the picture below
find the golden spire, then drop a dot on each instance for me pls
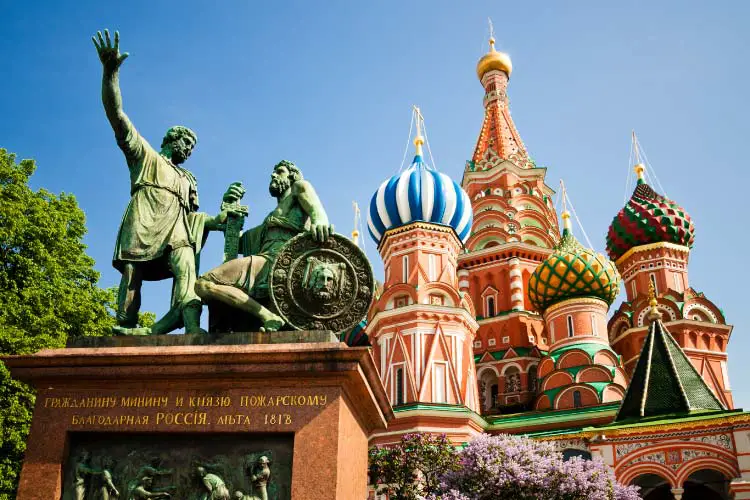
(565, 215)
(355, 232)
(639, 167)
(494, 59)
(654, 313)
(418, 140)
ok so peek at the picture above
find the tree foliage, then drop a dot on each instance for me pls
(523, 469)
(412, 468)
(48, 292)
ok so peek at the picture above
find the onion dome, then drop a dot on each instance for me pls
(648, 218)
(494, 60)
(419, 194)
(573, 271)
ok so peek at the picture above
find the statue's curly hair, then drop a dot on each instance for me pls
(294, 171)
(177, 132)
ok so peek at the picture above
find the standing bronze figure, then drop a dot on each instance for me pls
(161, 231)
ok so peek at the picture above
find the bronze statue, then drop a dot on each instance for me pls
(161, 232)
(239, 282)
(217, 490)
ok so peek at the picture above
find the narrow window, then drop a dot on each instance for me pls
(383, 354)
(532, 378)
(577, 399)
(490, 307)
(570, 326)
(405, 268)
(399, 386)
(593, 325)
(431, 267)
(439, 383)
(677, 283)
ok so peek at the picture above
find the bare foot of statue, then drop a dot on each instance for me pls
(140, 331)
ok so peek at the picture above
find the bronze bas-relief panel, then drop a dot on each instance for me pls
(129, 466)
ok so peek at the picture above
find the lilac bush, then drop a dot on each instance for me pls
(517, 468)
(413, 467)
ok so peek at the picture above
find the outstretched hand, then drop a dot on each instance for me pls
(109, 54)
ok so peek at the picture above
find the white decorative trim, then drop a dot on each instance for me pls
(700, 307)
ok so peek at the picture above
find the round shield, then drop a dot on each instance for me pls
(321, 286)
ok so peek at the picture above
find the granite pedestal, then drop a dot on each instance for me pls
(307, 399)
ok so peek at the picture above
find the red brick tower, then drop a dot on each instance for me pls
(574, 288)
(422, 327)
(650, 241)
(515, 228)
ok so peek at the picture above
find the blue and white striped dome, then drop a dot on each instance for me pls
(419, 193)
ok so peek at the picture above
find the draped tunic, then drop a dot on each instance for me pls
(161, 214)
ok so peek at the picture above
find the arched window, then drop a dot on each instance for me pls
(405, 269)
(490, 307)
(577, 399)
(512, 380)
(570, 326)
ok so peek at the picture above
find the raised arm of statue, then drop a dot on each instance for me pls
(310, 203)
(109, 54)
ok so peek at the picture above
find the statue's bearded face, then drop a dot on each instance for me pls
(280, 181)
(182, 148)
(323, 283)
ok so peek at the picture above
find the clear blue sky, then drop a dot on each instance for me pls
(329, 85)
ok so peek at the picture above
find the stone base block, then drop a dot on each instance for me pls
(177, 403)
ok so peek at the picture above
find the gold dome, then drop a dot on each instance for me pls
(494, 60)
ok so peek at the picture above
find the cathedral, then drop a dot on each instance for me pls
(493, 318)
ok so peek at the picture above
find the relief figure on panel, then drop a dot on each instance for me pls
(107, 489)
(143, 489)
(84, 473)
(215, 487)
(259, 477)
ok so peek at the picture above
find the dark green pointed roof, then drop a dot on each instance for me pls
(664, 381)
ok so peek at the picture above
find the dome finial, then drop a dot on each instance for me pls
(639, 167)
(355, 231)
(565, 215)
(492, 35)
(418, 140)
(494, 60)
(653, 314)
